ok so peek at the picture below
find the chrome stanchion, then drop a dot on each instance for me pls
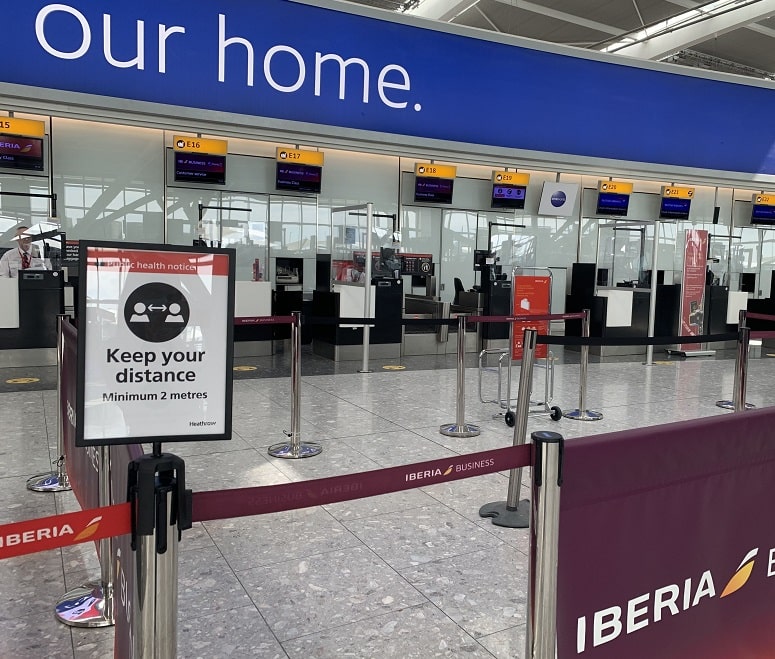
(295, 448)
(367, 291)
(91, 604)
(738, 403)
(582, 413)
(161, 509)
(460, 428)
(55, 481)
(513, 512)
(541, 632)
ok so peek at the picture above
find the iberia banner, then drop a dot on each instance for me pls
(532, 297)
(666, 545)
(57, 531)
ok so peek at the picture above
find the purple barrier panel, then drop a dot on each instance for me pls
(666, 545)
(124, 559)
(82, 464)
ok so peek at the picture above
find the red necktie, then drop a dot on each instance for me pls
(25, 260)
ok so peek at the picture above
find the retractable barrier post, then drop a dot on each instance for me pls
(741, 369)
(295, 448)
(91, 604)
(460, 428)
(514, 513)
(541, 635)
(161, 510)
(582, 413)
(55, 481)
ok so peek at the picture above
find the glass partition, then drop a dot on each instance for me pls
(225, 219)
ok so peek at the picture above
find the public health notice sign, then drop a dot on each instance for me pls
(155, 344)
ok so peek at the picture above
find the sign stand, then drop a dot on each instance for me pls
(55, 481)
(460, 428)
(91, 604)
(514, 513)
(295, 448)
(161, 510)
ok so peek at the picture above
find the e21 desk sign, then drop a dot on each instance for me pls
(155, 344)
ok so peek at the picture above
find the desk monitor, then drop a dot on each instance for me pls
(748, 282)
(612, 203)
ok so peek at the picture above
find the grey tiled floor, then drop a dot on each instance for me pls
(414, 574)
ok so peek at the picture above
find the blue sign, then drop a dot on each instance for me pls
(284, 60)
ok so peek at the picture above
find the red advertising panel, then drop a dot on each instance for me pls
(693, 285)
(665, 549)
(532, 297)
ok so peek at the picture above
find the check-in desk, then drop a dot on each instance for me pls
(252, 299)
(422, 339)
(28, 320)
(623, 312)
(342, 342)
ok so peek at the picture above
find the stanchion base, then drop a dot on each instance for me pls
(502, 515)
(454, 430)
(49, 482)
(729, 405)
(84, 607)
(286, 450)
(362, 371)
(586, 415)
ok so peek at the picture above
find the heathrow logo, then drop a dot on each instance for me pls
(667, 601)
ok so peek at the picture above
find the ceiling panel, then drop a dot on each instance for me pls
(743, 46)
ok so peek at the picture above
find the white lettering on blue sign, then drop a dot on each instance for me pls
(86, 38)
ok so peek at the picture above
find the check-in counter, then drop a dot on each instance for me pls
(28, 330)
(343, 342)
(623, 312)
(438, 339)
(252, 299)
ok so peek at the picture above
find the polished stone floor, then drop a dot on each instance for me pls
(415, 574)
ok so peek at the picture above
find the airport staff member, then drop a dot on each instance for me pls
(20, 257)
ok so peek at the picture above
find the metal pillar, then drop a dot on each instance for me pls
(582, 413)
(514, 513)
(91, 604)
(738, 403)
(55, 481)
(460, 428)
(295, 448)
(541, 632)
(653, 293)
(161, 510)
(367, 292)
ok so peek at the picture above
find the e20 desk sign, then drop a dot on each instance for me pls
(155, 344)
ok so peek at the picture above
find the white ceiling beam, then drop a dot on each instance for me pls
(679, 38)
(445, 10)
(442, 10)
(561, 16)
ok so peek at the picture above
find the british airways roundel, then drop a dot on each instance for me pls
(558, 198)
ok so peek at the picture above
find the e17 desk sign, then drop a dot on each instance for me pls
(155, 344)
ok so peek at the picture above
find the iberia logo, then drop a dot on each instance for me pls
(89, 531)
(428, 473)
(668, 600)
(741, 576)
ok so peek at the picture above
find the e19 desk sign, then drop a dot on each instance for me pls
(155, 344)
